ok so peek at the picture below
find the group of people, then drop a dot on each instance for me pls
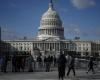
(62, 61)
(19, 63)
(3, 61)
(70, 63)
(45, 62)
(29, 63)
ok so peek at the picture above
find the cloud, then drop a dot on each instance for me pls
(81, 4)
(85, 33)
(73, 29)
(94, 32)
(77, 31)
(8, 34)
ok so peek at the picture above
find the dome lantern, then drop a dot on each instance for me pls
(51, 5)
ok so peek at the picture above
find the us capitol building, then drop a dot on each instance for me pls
(50, 39)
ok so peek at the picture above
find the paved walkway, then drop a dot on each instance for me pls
(53, 75)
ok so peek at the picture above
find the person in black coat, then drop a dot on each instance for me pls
(71, 66)
(55, 60)
(90, 65)
(48, 63)
(39, 60)
(61, 66)
(5, 59)
(14, 64)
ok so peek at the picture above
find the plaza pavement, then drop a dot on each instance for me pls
(53, 75)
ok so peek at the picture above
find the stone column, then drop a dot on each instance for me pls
(56, 32)
(50, 31)
(46, 31)
(59, 46)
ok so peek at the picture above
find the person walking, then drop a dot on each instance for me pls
(4, 62)
(39, 60)
(48, 63)
(14, 64)
(71, 66)
(30, 61)
(54, 61)
(61, 66)
(91, 65)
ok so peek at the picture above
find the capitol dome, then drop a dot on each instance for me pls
(50, 25)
